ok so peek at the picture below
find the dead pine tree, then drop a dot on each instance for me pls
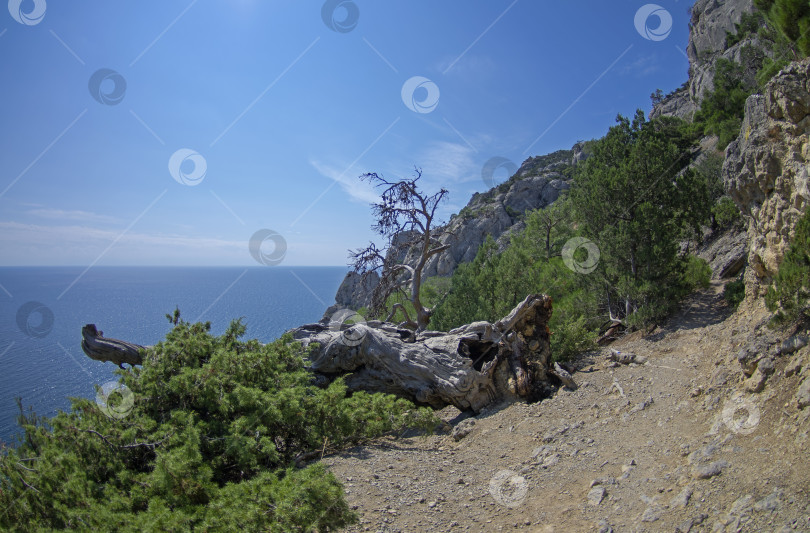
(406, 220)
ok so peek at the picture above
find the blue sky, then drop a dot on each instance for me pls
(282, 113)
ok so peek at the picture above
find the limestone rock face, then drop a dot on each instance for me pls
(537, 183)
(355, 290)
(710, 21)
(470, 233)
(579, 153)
(679, 104)
(725, 252)
(766, 168)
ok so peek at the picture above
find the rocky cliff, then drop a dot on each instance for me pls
(766, 168)
(711, 24)
(711, 21)
(537, 183)
(773, 206)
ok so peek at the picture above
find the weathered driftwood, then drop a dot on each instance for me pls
(469, 367)
(95, 346)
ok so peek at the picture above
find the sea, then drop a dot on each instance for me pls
(43, 309)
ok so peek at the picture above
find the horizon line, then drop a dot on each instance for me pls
(175, 266)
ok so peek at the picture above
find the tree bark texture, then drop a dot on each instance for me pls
(469, 367)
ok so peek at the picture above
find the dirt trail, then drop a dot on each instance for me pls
(668, 445)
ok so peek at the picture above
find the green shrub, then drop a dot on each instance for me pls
(770, 67)
(494, 283)
(750, 24)
(789, 294)
(726, 213)
(791, 18)
(734, 292)
(209, 443)
(721, 111)
(698, 273)
(635, 200)
(570, 336)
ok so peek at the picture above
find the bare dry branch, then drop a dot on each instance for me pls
(406, 219)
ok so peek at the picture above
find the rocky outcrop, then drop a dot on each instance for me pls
(354, 293)
(678, 104)
(537, 183)
(710, 22)
(766, 168)
(579, 153)
(725, 252)
(494, 213)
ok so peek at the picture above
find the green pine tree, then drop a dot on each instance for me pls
(206, 438)
(791, 18)
(789, 295)
(635, 201)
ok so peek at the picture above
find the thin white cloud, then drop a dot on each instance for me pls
(34, 233)
(448, 163)
(643, 66)
(61, 214)
(77, 244)
(357, 189)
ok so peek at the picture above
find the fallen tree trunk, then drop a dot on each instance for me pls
(469, 367)
(95, 346)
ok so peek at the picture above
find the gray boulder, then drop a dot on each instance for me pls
(725, 252)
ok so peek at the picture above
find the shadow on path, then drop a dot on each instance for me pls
(703, 308)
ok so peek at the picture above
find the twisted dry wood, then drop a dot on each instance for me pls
(469, 367)
(95, 346)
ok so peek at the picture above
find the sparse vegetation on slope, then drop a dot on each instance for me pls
(777, 34)
(722, 110)
(486, 288)
(209, 441)
(632, 203)
(789, 295)
(791, 18)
